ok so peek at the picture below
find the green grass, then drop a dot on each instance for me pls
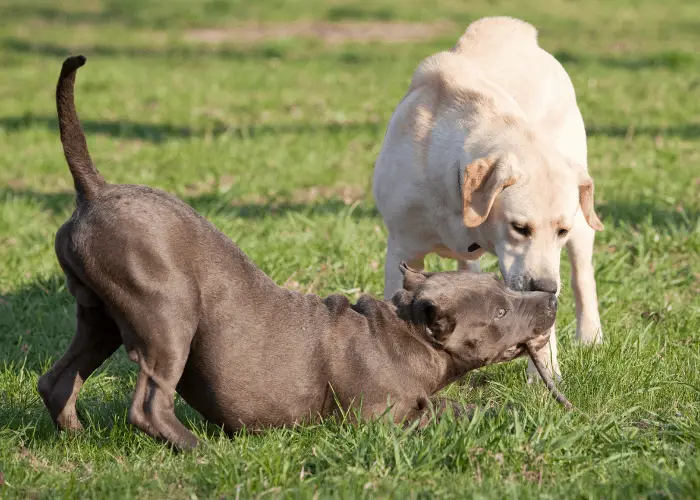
(274, 141)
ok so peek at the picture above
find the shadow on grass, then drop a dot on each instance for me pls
(127, 13)
(99, 412)
(272, 207)
(37, 323)
(211, 204)
(685, 131)
(668, 60)
(672, 60)
(631, 213)
(639, 213)
(19, 12)
(157, 133)
(55, 203)
(114, 12)
(180, 52)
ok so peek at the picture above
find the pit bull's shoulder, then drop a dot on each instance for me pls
(366, 306)
(336, 304)
(379, 314)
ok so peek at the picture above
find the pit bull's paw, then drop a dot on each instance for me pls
(64, 416)
(589, 333)
(186, 443)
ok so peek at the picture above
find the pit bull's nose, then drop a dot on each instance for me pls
(553, 302)
(543, 285)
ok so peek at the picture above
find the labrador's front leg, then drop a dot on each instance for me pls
(550, 354)
(580, 248)
(398, 250)
(469, 265)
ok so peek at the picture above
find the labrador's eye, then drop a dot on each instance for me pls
(563, 232)
(501, 312)
(522, 230)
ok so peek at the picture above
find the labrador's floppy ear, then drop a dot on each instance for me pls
(585, 197)
(412, 278)
(484, 179)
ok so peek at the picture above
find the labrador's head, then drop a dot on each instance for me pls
(474, 316)
(525, 207)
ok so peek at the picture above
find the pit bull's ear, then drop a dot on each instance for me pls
(425, 312)
(484, 179)
(585, 198)
(440, 326)
(412, 278)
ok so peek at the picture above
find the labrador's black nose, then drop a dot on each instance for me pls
(553, 302)
(543, 285)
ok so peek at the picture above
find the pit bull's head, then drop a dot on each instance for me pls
(523, 206)
(475, 317)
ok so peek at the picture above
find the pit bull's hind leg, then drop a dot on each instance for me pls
(161, 355)
(96, 338)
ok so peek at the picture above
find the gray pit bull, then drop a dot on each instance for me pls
(199, 318)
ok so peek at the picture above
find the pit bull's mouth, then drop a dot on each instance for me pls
(431, 336)
(543, 333)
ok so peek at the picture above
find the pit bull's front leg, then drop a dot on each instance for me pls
(439, 407)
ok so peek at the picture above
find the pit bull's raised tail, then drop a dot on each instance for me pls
(86, 177)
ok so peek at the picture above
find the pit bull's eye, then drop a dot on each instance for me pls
(501, 313)
(563, 232)
(522, 230)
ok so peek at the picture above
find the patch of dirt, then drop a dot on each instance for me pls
(274, 201)
(347, 194)
(16, 184)
(340, 32)
(34, 462)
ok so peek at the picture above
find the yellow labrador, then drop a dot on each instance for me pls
(486, 152)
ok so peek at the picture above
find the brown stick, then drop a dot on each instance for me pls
(547, 378)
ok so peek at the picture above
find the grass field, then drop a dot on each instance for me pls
(267, 118)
